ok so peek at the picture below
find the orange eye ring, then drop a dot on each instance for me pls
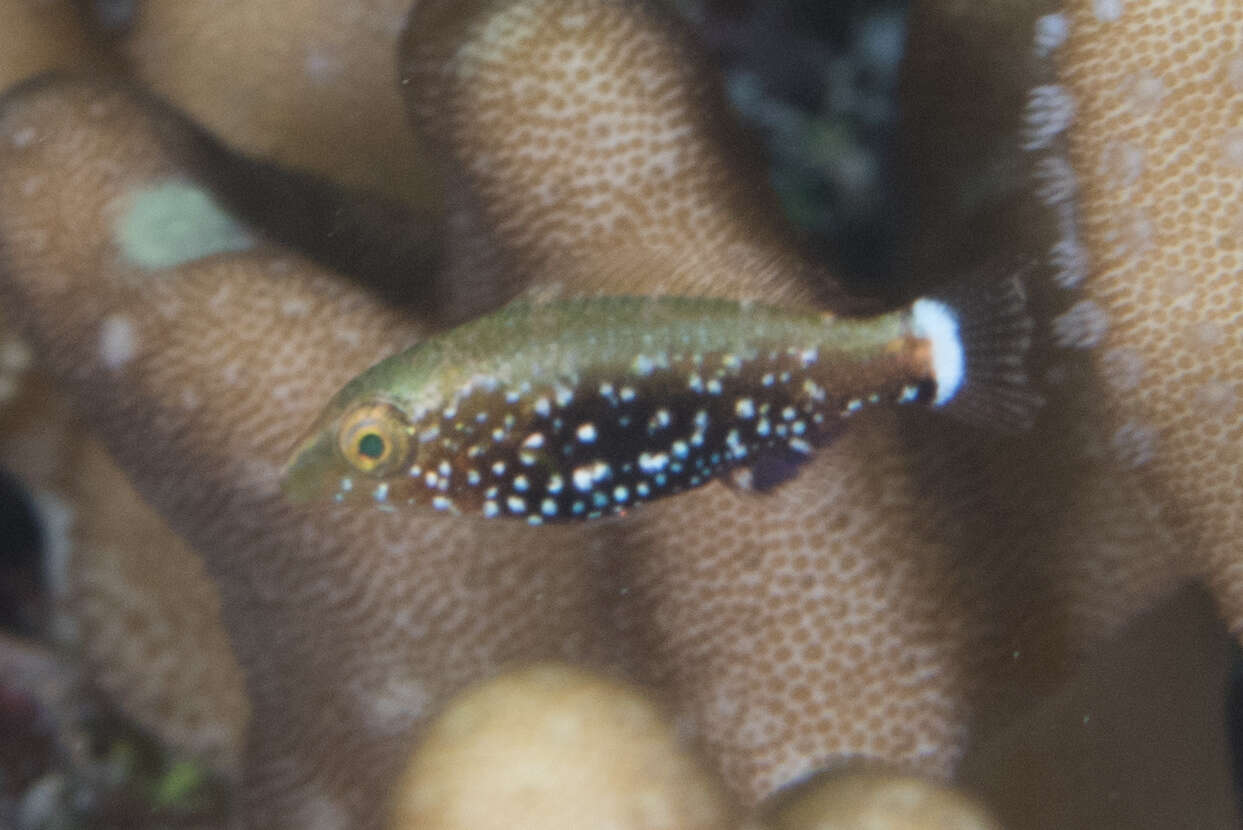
(374, 438)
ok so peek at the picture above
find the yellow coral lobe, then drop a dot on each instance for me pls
(1157, 144)
(550, 747)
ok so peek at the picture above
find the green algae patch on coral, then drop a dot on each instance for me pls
(174, 222)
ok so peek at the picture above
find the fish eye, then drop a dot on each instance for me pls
(374, 438)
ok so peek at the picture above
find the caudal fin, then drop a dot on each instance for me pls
(981, 348)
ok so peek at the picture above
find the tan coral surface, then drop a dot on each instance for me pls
(1157, 144)
(916, 579)
(308, 83)
(556, 747)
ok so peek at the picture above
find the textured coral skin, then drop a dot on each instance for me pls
(523, 750)
(790, 627)
(920, 577)
(40, 36)
(192, 698)
(307, 83)
(1158, 149)
(228, 357)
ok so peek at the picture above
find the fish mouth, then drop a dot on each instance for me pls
(308, 475)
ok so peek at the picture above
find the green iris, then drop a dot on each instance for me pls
(371, 445)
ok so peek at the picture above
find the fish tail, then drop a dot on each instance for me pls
(981, 348)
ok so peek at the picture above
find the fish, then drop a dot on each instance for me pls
(581, 408)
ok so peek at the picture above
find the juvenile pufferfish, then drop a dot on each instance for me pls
(582, 408)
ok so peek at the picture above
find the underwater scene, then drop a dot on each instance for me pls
(631, 414)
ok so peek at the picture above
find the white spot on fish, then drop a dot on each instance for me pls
(118, 342)
(586, 432)
(534, 441)
(543, 407)
(653, 462)
(555, 483)
(491, 509)
(745, 408)
(516, 504)
(381, 492)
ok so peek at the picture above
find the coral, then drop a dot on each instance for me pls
(875, 798)
(306, 83)
(136, 596)
(1157, 146)
(920, 580)
(554, 746)
(40, 36)
(347, 624)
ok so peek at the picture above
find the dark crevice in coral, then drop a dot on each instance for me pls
(22, 587)
(818, 83)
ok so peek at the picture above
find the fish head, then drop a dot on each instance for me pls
(348, 456)
(363, 442)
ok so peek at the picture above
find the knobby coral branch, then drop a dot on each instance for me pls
(916, 580)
